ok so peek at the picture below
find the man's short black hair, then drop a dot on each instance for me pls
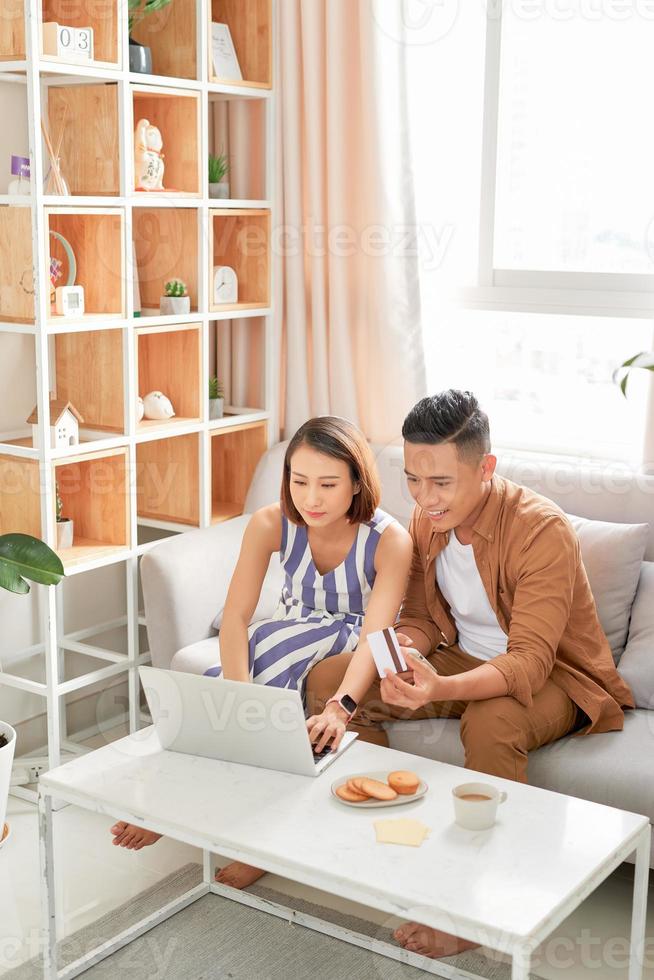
(450, 416)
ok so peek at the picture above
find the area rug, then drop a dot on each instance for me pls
(217, 938)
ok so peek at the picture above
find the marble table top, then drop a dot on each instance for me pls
(545, 853)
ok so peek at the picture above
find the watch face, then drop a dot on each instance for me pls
(349, 703)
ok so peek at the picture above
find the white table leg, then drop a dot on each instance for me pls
(521, 963)
(206, 867)
(639, 908)
(48, 912)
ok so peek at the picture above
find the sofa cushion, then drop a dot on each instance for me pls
(612, 555)
(614, 768)
(637, 661)
(197, 657)
(272, 583)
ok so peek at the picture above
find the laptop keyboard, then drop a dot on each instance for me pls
(318, 756)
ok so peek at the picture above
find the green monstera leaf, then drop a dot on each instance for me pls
(25, 557)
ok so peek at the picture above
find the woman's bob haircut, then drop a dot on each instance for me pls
(340, 439)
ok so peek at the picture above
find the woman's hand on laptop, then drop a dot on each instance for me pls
(328, 727)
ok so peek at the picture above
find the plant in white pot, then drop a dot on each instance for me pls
(177, 301)
(22, 557)
(218, 169)
(216, 399)
(65, 525)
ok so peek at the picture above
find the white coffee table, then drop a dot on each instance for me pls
(507, 888)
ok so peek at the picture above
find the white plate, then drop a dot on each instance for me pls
(382, 776)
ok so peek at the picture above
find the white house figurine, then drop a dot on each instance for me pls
(148, 158)
(64, 424)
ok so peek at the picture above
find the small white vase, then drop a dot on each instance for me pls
(6, 762)
(65, 533)
(219, 190)
(216, 407)
(174, 305)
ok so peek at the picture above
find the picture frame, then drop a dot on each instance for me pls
(224, 57)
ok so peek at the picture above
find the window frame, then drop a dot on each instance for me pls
(528, 290)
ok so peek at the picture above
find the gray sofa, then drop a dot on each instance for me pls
(185, 580)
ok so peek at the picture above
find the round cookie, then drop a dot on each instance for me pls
(375, 789)
(404, 782)
(345, 793)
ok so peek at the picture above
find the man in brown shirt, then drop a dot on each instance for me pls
(519, 652)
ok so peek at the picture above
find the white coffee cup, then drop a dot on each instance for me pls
(479, 810)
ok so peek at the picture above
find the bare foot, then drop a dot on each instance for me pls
(238, 875)
(128, 835)
(430, 942)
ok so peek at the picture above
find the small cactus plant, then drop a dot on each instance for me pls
(176, 287)
(60, 506)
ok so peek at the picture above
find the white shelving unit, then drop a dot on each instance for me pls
(206, 448)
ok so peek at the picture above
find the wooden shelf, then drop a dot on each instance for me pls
(250, 24)
(235, 452)
(166, 245)
(237, 129)
(89, 373)
(168, 479)
(240, 238)
(93, 488)
(171, 35)
(89, 151)
(170, 360)
(97, 239)
(101, 15)
(176, 113)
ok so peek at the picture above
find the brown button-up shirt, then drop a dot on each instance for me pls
(529, 560)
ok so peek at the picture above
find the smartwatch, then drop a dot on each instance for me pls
(347, 703)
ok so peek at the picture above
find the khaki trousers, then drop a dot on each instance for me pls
(497, 733)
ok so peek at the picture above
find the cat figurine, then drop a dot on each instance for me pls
(148, 158)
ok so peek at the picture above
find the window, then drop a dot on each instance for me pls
(534, 179)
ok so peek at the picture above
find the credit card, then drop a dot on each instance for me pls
(386, 651)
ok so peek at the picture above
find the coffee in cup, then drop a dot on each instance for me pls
(475, 805)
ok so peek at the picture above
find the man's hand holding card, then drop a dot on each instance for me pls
(408, 679)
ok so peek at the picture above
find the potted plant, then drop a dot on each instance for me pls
(176, 301)
(65, 526)
(218, 169)
(216, 399)
(643, 360)
(140, 56)
(21, 557)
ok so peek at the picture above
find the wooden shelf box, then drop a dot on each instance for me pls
(89, 150)
(96, 237)
(101, 15)
(168, 479)
(237, 129)
(250, 24)
(16, 269)
(235, 452)
(170, 361)
(171, 35)
(240, 238)
(237, 354)
(176, 113)
(93, 488)
(166, 245)
(89, 373)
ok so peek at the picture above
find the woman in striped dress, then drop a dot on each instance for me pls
(345, 563)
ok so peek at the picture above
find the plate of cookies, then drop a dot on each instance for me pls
(369, 790)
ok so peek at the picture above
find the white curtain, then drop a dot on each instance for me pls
(347, 305)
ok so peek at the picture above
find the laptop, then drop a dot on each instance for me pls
(251, 724)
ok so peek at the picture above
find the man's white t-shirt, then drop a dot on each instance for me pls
(459, 580)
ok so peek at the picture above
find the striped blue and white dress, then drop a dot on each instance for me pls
(317, 615)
